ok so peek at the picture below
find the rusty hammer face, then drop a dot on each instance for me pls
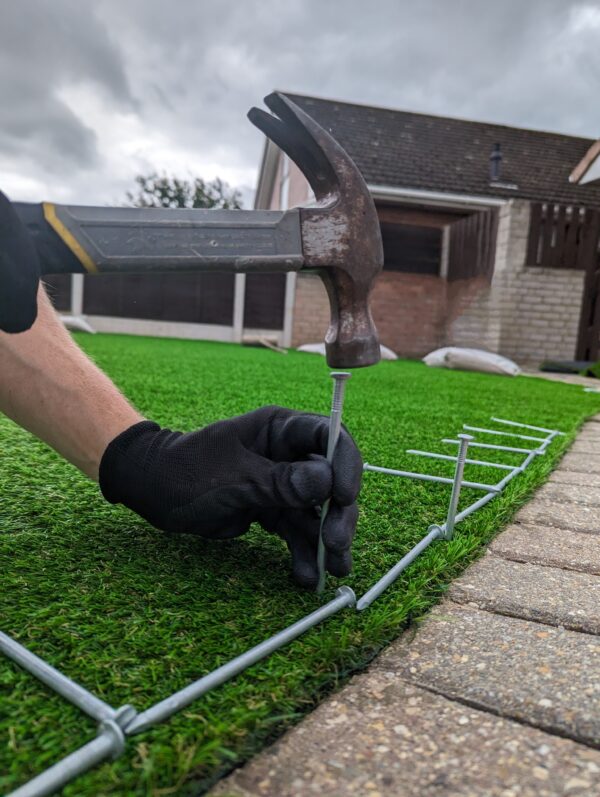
(338, 237)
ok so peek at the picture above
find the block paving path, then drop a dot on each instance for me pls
(497, 692)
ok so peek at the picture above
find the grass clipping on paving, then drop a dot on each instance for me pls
(134, 614)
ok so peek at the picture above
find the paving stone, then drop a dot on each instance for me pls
(586, 446)
(589, 430)
(570, 379)
(520, 589)
(581, 462)
(543, 546)
(545, 676)
(575, 477)
(381, 736)
(569, 493)
(562, 516)
(589, 436)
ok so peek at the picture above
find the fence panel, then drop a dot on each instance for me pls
(472, 248)
(588, 342)
(557, 235)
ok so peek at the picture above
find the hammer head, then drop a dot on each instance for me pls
(341, 237)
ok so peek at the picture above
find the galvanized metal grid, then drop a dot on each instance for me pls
(115, 725)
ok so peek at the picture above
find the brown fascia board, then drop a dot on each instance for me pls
(584, 164)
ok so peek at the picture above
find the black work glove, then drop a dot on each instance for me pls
(266, 466)
(19, 272)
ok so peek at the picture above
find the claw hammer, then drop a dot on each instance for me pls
(338, 237)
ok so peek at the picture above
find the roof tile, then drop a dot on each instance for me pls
(436, 153)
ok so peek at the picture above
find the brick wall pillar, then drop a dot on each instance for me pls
(541, 306)
(311, 310)
(529, 314)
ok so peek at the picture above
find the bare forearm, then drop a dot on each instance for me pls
(50, 387)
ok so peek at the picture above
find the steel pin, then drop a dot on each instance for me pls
(464, 440)
(335, 425)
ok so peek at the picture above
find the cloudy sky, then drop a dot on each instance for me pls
(94, 93)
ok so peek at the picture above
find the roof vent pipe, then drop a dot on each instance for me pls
(495, 161)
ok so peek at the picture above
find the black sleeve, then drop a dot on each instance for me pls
(19, 272)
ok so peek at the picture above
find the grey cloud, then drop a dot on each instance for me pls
(486, 60)
(44, 48)
(43, 130)
(188, 71)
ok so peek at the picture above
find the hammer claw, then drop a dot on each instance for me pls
(340, 234)
(293, 132)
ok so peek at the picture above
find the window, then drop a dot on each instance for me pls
(413, 249)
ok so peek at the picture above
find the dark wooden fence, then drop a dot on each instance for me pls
(191, 298)
(264, 303)
(560, 235)
(472, 248)
(588, 341)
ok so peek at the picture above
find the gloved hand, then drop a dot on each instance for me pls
(19, 272)
(266, 466)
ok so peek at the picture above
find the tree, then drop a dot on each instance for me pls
(161, 191)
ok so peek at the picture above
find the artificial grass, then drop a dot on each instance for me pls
(134, 614)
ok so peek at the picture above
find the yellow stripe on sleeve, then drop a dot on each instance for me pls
(68, 238)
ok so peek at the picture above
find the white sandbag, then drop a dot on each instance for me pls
(77, 323)
(471, 360)
(437, 358)
(319, 348)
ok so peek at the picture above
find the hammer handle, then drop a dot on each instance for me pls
(98, 240)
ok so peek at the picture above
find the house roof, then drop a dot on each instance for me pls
(402, 149)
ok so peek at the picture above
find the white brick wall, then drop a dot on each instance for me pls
(528, 314)
(311, 312)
